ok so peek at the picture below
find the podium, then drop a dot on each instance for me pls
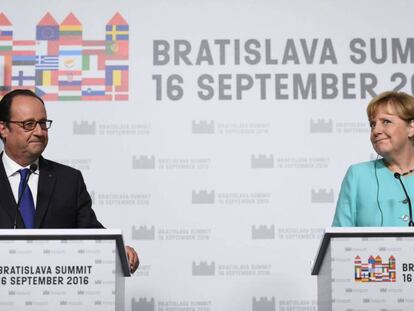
(365, 269)
(68, 269)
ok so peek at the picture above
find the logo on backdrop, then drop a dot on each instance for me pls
(203, 268)
(84, 128)
(262, 161)
(264, 304)
(202, 127)
(149, 304)
(143, 304)
(89, 128)
(143, 162)
(328, 126)
(202, 197)
(322, 196)
(170, 234)
(263, 232)
(375, 270)
(143, 233)
(59, 65)
(321, 126)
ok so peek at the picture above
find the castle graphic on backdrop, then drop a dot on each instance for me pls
(59, 65)
(375, 270)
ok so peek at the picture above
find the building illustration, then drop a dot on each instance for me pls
(60, 65)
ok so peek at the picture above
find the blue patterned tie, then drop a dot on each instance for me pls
(27, 208)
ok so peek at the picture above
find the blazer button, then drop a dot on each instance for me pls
(404, 218)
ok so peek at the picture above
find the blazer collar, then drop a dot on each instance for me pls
(7, 201)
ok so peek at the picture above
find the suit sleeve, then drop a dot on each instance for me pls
(86, 217)
(345, 214)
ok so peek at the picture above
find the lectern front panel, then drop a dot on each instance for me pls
(58, 275)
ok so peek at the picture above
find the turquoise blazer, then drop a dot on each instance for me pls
(371, 196)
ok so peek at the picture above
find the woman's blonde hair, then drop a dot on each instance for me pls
(401, 102)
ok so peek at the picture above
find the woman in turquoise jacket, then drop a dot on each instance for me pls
(371, 193)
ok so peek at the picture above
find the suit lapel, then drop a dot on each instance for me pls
(7, 201)
(45, 187)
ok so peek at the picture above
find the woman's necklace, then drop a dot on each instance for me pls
(408, 172)
(402, 174)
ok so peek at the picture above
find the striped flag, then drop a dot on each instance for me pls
(6, 33)
(25, 60)
(24, 47)
(6, 30)
(46, 62)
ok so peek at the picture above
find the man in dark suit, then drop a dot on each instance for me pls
(58, 192)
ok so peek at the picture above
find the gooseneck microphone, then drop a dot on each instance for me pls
(410, 223)
(32, 168)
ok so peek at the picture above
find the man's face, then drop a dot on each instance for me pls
(23, 146)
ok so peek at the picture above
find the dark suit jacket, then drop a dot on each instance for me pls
(62, 199)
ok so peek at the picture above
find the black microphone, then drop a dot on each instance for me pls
(410, 223)
(32, 168)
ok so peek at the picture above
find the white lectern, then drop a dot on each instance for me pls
(366, 269)
(70, 269)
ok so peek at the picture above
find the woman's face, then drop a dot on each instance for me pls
(390, 135)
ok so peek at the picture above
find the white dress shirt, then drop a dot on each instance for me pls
(12, 172)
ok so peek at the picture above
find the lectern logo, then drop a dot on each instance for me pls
(375, 270)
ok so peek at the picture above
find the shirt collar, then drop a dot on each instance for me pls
(11, 167)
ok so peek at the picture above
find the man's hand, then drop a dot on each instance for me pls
(133, 259)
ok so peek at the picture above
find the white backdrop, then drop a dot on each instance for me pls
(225, 182)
